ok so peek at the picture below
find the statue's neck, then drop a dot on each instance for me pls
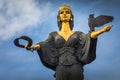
(65, 27)
(65, 31)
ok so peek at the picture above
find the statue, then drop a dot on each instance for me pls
(66, 52)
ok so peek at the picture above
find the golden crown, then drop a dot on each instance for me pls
(64, 7)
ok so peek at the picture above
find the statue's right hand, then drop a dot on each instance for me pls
(27, 47)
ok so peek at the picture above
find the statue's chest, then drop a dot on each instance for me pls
(66, 41)
(66, 36)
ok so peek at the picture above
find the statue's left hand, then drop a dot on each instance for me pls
(107, 28)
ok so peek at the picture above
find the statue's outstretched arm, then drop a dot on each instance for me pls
(95, 34)
(34, 47)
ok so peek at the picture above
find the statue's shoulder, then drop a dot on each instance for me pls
(78, 32)
(54, 32)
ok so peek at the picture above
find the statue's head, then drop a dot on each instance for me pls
(65, 10)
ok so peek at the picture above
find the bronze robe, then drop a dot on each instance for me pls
(79, 48)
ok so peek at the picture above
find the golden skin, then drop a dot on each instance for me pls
(95, 34)
(65, 16)
(66, 32)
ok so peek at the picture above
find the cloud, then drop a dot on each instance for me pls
(19, 15)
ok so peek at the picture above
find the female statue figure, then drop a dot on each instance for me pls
(66, 52)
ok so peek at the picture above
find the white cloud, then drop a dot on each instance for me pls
(18, 15)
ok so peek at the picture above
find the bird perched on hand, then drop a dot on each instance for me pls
(98, 21)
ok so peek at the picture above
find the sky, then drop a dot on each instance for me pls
(36, 19)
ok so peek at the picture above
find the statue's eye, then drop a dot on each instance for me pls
(61, 12)
(67, 12)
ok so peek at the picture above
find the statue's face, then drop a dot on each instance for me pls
(65, 15)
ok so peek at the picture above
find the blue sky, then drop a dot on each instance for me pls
(36, 19)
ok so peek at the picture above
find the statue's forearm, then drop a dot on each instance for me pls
(95, 34)
(34, 47)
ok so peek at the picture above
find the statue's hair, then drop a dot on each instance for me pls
(71, 22)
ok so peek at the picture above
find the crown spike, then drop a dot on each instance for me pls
(64, 7)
